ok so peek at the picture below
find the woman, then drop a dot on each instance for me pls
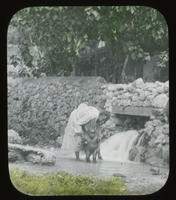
(81, 120)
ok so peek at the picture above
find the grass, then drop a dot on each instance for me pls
(64, 183)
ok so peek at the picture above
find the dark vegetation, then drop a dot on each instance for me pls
(91, 41)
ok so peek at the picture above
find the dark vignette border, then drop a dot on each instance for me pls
(7, 11)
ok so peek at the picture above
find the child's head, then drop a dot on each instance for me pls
(90, 127)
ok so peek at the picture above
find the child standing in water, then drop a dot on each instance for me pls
(82, 120)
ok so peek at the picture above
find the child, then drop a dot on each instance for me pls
(74, 131)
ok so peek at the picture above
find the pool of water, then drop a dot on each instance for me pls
(137, 176)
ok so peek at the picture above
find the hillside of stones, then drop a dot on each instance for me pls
(152, 143)
(38, 110)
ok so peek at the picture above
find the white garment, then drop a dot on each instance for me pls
(80, 116)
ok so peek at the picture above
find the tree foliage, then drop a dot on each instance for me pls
(54, 38)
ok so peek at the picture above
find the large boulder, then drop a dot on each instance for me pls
(32, 154)
(160, 101)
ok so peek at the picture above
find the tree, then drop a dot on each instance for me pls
(54, 38)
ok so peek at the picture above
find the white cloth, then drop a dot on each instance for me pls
(80, 116)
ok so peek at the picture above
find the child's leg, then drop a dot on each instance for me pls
(99, 154)
(77, 155)
(87, 155)
(95, 156)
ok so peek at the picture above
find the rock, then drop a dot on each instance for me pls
(142, 97)
(159, 139)
(12, 71)
(165, 153)
(149, 130)
(15, 156)
(31, 154)
(14, 138)
(59, 141)
(133, 153)
(139, 83)
(161, 89)
(117, 120)
(155, 170)
(33, 158)
(166, 109)
(165, 129)
(160, 101)
(165, 140)
(110, 125)
(119, 175)
(109, 95)
(166, 86)
(113, 87)
(154, 161)
(156, 123)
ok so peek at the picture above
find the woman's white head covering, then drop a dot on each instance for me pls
(85, 113)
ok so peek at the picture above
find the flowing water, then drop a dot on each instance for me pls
(117, 147)
(115, 150)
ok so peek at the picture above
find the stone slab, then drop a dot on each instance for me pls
(132, 110)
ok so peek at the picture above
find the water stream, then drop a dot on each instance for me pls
(117, 147)
(115, 151)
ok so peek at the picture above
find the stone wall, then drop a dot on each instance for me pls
(137, 93)
(38, 109)
(152, 143)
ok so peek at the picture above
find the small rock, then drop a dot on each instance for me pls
(59, 141)
(13, 137)
(119, 175)
(161, 89)
(139, 83)
(110, 125)
(159, 139)
(165, 130)
(33, 158)
(166, 86)
(155, 170)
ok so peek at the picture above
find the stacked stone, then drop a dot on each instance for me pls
(38, 109)
(153, 144)
(137, 94)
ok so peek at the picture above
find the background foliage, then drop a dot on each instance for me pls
(55, 40)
